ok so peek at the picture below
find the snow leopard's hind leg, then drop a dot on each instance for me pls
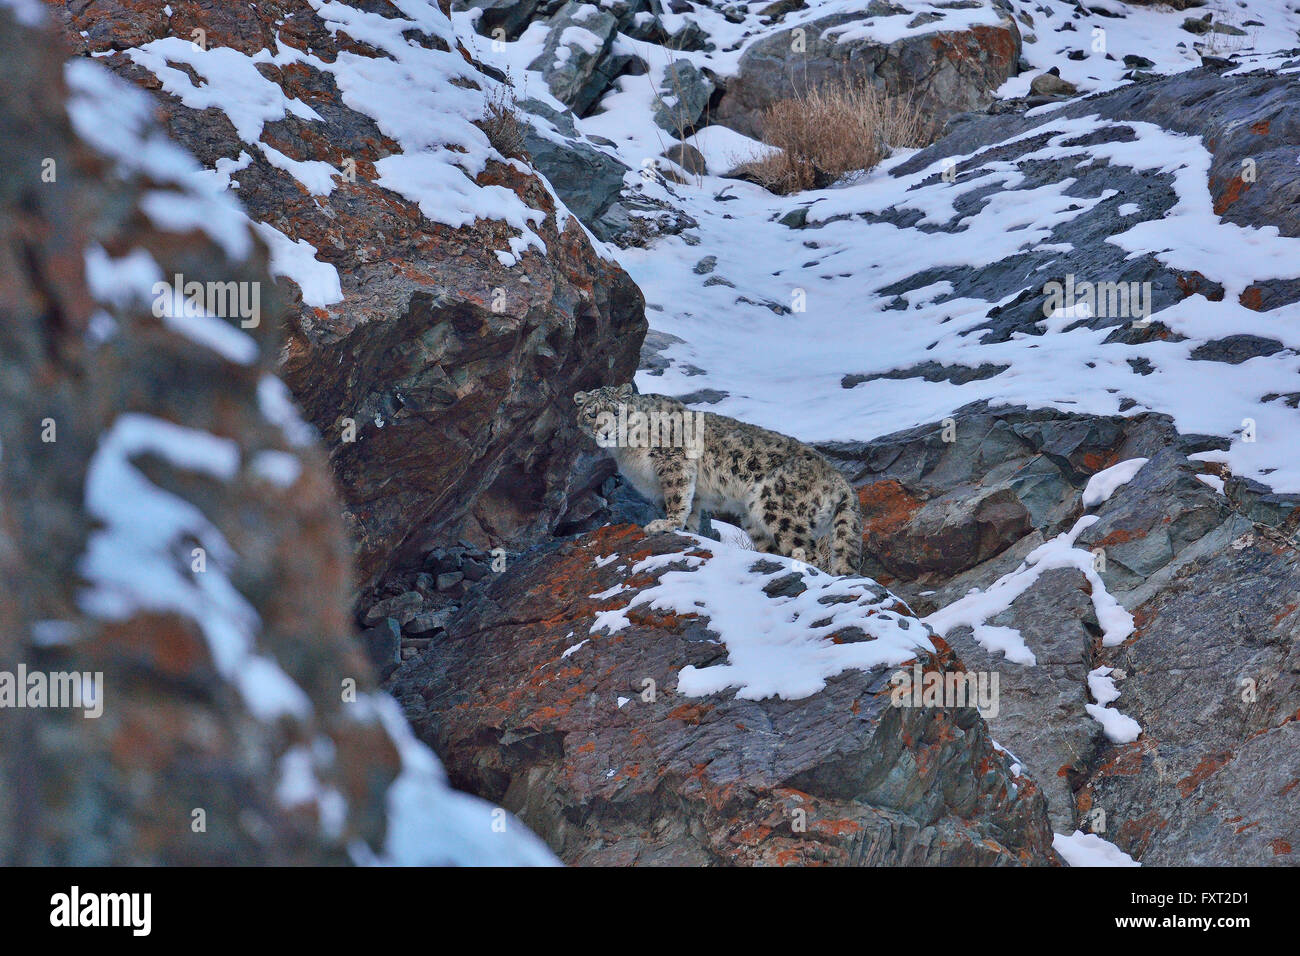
(845, 538)
(751, 522)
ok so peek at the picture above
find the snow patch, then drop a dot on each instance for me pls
(1107, 481)
(1088, 849)
(774, 649)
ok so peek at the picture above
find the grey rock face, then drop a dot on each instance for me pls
(1212, 679)
(934, 508)
(1041, 716)
(931, 372)
(1160, 513)
(1235, 349)
(510, 17)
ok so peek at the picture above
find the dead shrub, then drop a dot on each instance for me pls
(502, 123)
(830, 131)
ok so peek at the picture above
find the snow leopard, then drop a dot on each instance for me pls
(787, 497)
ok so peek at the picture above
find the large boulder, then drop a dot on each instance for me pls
(649, 28)
(937, 502)
(656, 701)
(170, 541)
(444, 309)
(945, 70)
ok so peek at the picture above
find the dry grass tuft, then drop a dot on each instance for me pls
(831, 131)
(502, 123)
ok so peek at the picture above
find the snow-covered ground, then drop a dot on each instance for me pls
(784, 370)
(1088, 849)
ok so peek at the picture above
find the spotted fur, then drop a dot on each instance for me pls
(786, 496)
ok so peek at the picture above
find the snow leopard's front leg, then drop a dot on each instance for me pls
(695, 517)
(676, 474)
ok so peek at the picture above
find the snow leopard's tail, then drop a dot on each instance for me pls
(846, 533)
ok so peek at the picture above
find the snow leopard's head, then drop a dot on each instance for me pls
(599, 407)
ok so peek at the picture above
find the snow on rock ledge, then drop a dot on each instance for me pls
(676, 700)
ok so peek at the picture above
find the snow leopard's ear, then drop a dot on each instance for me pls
(580, 398)
(624, 391)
